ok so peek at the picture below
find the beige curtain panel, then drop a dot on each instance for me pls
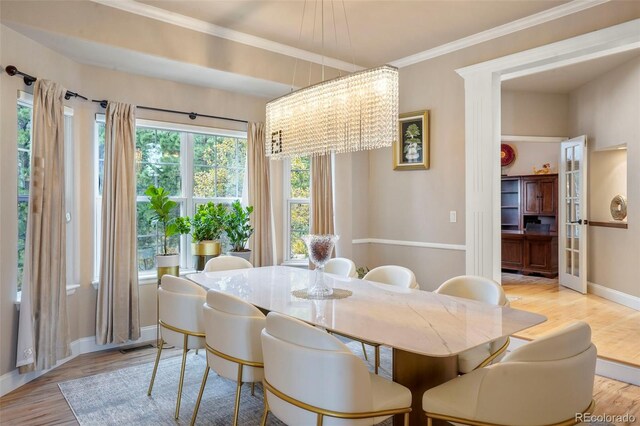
(117, 315)
(321, 195)
(262, 242)
(43, 331)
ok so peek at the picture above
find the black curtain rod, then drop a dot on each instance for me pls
(191, 115)
(29, 79)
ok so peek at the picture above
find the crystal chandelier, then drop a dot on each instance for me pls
(349, 113)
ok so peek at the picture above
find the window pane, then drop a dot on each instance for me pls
(150, 238)
(226, 151)
(300, 177)
(204, 181)
(24, 171)
(219, 166)
(299, 226)
(100, 134)
(158, 160)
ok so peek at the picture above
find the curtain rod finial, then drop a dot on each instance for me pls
(11, 70)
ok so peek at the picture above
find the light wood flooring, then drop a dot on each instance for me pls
(40, 402)
(615, 328)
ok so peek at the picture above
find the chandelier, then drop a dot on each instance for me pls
(350, 113)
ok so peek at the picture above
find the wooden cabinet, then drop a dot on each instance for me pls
(530, 200)
(540, 195)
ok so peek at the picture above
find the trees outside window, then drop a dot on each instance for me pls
(297, 190)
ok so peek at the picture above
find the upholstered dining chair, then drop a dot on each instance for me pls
(341, 266)
(545, 382)
(234, 349)
(310, 377)
(180, 321)
(226, 263)
(483, 290)
(392, 275)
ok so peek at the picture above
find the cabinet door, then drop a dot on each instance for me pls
(512, 253)
(537, 255)
(530, 196)
(548, 190)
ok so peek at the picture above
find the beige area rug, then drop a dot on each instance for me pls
(120, 397)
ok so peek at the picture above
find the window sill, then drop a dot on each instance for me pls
(149, 278)
(71, 289)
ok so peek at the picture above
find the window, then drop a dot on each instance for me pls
(194, 164)
(24, 127)
(297, 209)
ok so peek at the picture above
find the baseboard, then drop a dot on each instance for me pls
(13, 380)
(604, 367)
(625, 299)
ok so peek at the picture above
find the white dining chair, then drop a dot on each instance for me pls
(545, 382)
(391, 275)
(234, 349)
(226, 263)
(483, 290)
(311, 378)
(341, 266)
(181, 322)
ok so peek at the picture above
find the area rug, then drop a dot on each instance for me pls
(120, 397)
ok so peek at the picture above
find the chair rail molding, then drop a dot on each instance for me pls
(441, 246)
(482, 129)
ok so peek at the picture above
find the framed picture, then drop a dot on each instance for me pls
(411, 150)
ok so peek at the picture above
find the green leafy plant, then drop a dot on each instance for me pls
(209, 222)
(237, 226)
(161, 209)
(362, 271)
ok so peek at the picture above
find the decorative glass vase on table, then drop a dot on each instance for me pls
(320, 248)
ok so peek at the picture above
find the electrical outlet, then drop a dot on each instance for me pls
(453, 216)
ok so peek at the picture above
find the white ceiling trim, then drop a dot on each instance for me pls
(539, 18)
(198, 25)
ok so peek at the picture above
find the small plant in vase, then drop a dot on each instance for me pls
(207, 227)
(238, 229)
(161, 216)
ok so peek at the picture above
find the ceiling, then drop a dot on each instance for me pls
(381, 31)
(567, 79)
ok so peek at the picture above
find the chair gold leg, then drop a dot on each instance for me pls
(238, 390)
(184, 361)
(429, 421)
(406, 419)
(204, 383)
(253, 388)
(320, 419)
(263, 422)
(364, 351)
(155, 367)
(377, 360)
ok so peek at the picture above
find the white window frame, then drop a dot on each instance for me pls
(186, 202)
(288, 202)
(26, 99)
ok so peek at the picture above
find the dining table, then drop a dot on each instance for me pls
(425, 330)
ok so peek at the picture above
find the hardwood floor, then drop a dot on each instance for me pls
(40, 402)
(615, 328)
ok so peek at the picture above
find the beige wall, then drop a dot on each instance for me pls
(95, 83)
(533, 154)
(534, 114)
(607, 110)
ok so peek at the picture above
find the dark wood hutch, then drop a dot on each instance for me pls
(529, 210)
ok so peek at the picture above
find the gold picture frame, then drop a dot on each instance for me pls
(411, 149)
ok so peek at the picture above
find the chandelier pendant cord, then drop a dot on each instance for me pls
(322, 35)
(295, 64)
(313, 35)
(335, 33)
(353, 56)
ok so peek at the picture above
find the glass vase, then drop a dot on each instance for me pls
(320, 248)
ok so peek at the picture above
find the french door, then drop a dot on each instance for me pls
(572, 223)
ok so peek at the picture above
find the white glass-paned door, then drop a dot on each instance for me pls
(572, 221)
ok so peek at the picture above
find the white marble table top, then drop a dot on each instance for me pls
(411, 320)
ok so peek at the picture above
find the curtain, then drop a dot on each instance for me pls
(117, 315)
(43, 330)
(321, 195)
(261, 243)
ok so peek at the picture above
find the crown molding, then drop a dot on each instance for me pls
(198, 25)
(539, 18)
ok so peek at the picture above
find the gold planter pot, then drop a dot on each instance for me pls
(203, 251)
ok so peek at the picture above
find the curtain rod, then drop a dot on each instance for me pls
(29, 79)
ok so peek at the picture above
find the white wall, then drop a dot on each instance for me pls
(97, 83)
(607, 110)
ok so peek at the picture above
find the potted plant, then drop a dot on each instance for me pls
(239, 229)
(206, 228)
(161, 209)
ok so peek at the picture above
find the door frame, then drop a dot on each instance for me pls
(483, 128)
